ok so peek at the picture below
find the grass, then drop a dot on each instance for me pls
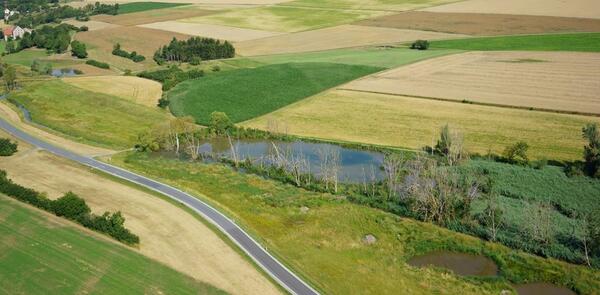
(87, 116)
(324, 245)
(372, 56)
(414, 123)
(585, 42)
(42, 254)
(24, 57)
(248, 93)
(283, 18)
(143, 6)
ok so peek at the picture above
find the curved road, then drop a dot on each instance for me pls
(271, 265)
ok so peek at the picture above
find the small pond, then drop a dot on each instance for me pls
(460, 263)
(63, 73)
(542, 289)
(354, 166)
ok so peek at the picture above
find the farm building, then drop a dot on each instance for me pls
(15, 32)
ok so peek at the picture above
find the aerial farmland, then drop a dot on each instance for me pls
(300, 147)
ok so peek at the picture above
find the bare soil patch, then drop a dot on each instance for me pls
(213, 31)
(481, 24)
(91, 24)
(139, 90)
(151, 16)
(570, 8)
(167, 234)
(562, 81)
(243, 2)
(332, 38)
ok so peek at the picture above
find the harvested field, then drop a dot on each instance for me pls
(396, 5)
(139, 90)
(414, 123)
(151, 16)
(483, 24)
(167, 234)
(571, 8)
(284, 18)
(212, 31)
(89, 70)
(333, 38)
(560, 81)
(143, 40)
(91, 24)
(243, 2)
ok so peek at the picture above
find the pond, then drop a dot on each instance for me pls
(63, 73)
(353, 165)
(542, 289)
(460, 263)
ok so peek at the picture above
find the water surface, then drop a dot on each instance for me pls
(460, 263)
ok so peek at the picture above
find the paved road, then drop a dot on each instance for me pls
(273, 267)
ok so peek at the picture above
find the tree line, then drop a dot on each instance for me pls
(52, 38)
(134, 56)
(72, 207)
(41, 12)
(194, 50)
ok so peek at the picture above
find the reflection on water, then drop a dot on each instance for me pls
(460, 263)
(542, 289)
(354, 165)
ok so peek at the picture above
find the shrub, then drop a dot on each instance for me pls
(98, 64)
(517, 153)
(591, 152)
(84, 29)
(420, 45)
(220, 123)
(163, 102)
(7, 147)
(70, 206)
(122, 53)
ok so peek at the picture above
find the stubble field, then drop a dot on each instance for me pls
(142, 91)
(211, 31)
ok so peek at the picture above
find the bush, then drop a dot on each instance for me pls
(98, 64)
(517, 153)
(84, 29)
(420, 45)
(220, 123)
(122, 53)
(591, 152)
(163, 102)
(7, 147)
(70, 206)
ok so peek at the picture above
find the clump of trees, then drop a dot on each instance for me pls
(72, 207)
(591, 153)
(7, 147)
(517, 153)
(78, 49)
(194, 50)
(220, 124)
(450, 146)
(52, 38)
(420, 45)
(9, 76)
(98, 64)
(130, 55)
(171, 76)
(32, 15)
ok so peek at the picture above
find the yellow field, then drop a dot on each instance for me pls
(139, 90)
(167, 234)
(413, 123)
(151, 16)
(212, 31)
(91, 24)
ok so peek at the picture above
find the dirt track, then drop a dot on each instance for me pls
(335, 37)
(483, 24)
(548, 80)
(566, 8)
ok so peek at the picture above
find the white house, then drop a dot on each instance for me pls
(15, 32)
(8, 13)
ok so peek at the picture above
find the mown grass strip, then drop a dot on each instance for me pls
(143, 6)
(584, 42)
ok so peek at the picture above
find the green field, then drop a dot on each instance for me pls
(585, 42)
(87, 116)
(372, 56)
(248, 93)
(25, 57)
(284, 18)
(43, 254)
(324, 245)
(143, 6)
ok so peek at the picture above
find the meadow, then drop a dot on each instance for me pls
(324, 244)
(586, 42)
(43, 254)
(258, 91)
(25, 57)
(407, 122)
(143, 6)
(87, 116)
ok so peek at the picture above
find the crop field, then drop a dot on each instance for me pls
(414, 123)
(87, 116)
(483, 24)
(333, 38)
(143, 6)
(254, 92)
(542, 80)
(151, 16)
(397, 5)
(44, 254)
(197, 252)
(584, 42)
(284, 18)
(324, 244)
(142, 91)
(212, 31)
(384, 57)
(91, 24)
(571, 8)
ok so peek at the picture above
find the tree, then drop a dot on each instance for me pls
(492, 216)
(10, 77)
(78, 49)
(420, 45)
(35, 66)
(451, 145)
(220, 123)
(7, 147)
(538, 223)
(70, 206)
(517, 153)
(10, 47)
(591, 153)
